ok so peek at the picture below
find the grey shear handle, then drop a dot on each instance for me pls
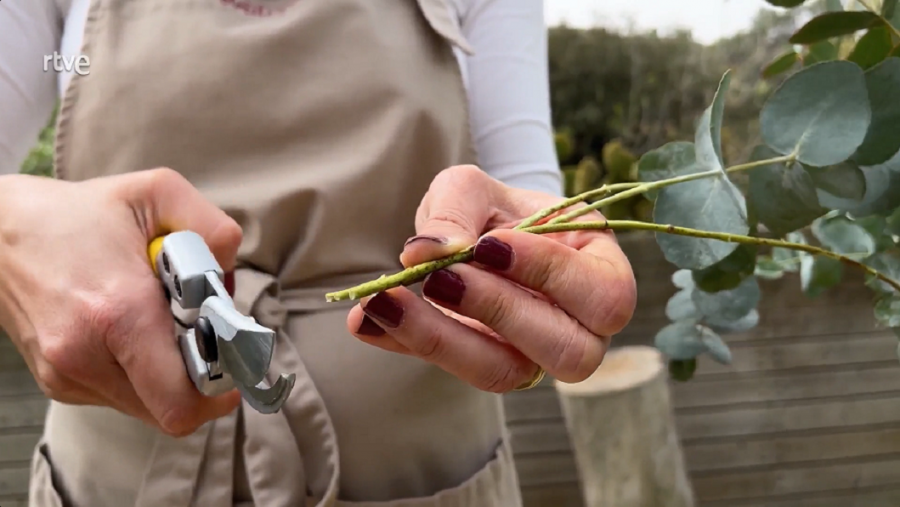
(225, 349)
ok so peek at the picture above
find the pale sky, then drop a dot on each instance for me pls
(707, 19)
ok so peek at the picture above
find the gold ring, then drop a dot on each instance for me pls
(535, 380)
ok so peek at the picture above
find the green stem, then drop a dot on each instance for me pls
(571, 201)
(865, 4)
(653, 185)
(419, 272)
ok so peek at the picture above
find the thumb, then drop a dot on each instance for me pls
(164, 201)
(453, 215)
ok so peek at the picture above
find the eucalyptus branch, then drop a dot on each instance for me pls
(653, 185)
(417, 273)
(590, 194)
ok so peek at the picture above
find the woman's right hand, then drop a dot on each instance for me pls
(81, 303)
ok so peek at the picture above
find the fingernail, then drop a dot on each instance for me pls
(444, 286)
(229, 283)
(493, 253)
(384, 309)
(424, 237)
(368, 327)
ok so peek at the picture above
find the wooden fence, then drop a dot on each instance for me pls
(807, 416)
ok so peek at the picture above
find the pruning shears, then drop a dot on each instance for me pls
(222, 349)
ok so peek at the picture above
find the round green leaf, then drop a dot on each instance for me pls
(708, 137)
(888, 264)
(818, 274)
(821, 114)
(729, 272)
(834, 24)
(745, 323)
(887, 311)
(784, 198)
(845, 180)
(888, 8)
(844, 237)
(882, 140)
(768, 269)
(823, 51)
(683, 279)
(670, 160)
(711, 204)
(680, 340)
(728, 305)
(681, 307)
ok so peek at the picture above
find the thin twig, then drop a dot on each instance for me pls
(419, 272)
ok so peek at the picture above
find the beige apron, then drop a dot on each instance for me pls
(318, 125)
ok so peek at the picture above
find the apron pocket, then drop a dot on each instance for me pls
(440, 16)
(43, 488)
(495, 485)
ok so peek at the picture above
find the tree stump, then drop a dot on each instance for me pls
(623, 435)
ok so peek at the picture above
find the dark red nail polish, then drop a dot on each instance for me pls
(424, 237)
(229, 283)
(493, 253)
(385, 309)
(368, 327)
(444, 286)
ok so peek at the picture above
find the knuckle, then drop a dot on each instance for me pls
(178, 421)
(499, 310)
(615, 302)
(464, 175)
(501, 379)
(571, 362)
(431, 346)
(163, 177)
(452, 217)
(51, 382)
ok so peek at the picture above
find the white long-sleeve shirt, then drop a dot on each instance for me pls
(506, 79)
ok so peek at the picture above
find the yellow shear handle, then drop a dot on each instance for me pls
(153, 251)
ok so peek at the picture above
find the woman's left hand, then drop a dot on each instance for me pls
(526, 302)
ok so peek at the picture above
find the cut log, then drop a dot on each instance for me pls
(623, 435)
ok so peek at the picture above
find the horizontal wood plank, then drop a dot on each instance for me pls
(537, 470)
(9, 357)
(745, 388)
(14, 480)
(18, 447)
(22, 412)
(781, 450)
(857, 497)
(17, 383)
(784, 481)
(790, 416)
(790, 354)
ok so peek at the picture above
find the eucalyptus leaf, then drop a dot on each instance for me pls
(834, 5)
(872, 48)
(683, 279)
(729, 272)
(680, 340)
(681, 307)
(745, 323)
(845, 181)
(728, 304)
(687, 340)
(784, 199)
(834, 24)
(818, 274)
(821, 114)
(671, 160)
(882, 191)
(888, 264)
(882, 140)
(844, 237)
(708, 137)
(682, 370)
(819, 52)
(786, 3)
(768, 269)
(711, 204)
(887, 311)
(781, 64)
